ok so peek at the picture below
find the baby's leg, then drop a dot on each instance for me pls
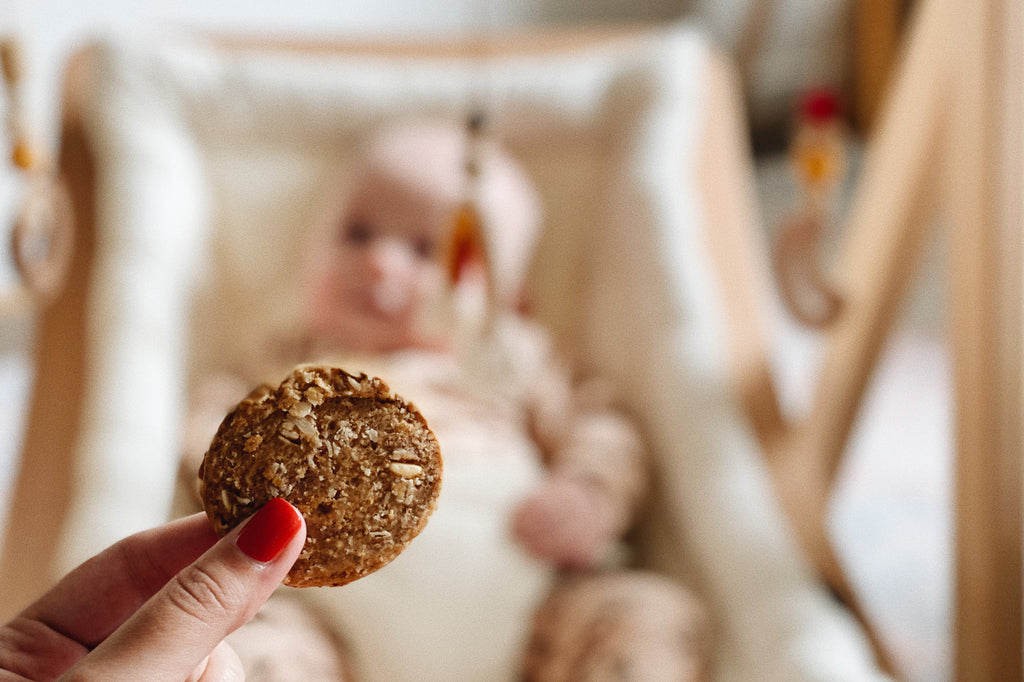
(621, 625)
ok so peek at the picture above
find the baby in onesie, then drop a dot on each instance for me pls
(416, 275)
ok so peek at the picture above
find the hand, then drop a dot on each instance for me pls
(156, 605)
(565, 522)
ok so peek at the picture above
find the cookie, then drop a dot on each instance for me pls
(359, 462)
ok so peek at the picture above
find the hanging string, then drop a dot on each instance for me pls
(13, 67)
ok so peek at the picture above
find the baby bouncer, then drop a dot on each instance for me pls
(195, 164)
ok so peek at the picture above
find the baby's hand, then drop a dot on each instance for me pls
(566, 522)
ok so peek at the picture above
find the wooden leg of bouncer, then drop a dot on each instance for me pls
(886, 231)
(28, 555)
(986, 164)
(953, 112)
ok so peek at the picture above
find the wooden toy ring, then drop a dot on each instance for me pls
(42, 238)
(805, 289)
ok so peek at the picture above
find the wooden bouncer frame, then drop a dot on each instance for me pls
(948, 140)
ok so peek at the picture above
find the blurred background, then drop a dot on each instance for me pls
(782, 46)
(891, 515)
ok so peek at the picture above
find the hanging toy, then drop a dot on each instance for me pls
(473, 295)
(467, 254)
(818, 158)
(41, 238)
(467, 249)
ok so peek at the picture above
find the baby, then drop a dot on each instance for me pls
(518, 574)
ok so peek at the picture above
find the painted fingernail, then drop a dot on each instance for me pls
(269, 531)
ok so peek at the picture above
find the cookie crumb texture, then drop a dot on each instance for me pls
(359, 462)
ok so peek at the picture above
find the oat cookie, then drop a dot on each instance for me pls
(359, 462)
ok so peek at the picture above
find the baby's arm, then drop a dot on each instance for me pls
(598, 478)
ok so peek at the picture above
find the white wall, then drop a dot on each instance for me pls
(802, 46)
(52, 28)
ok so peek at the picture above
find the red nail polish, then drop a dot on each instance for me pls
(269, 530)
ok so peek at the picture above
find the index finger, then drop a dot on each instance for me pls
(95, 598)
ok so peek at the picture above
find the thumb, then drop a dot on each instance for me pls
(171, 634)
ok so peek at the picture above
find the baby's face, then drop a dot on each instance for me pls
(381, 267)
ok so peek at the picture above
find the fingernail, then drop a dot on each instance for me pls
(269, 530)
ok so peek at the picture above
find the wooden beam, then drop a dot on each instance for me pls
(987, 185)
(886, 229)
(39, 504)
(876, 37)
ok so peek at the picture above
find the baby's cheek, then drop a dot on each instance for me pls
(428, 280)
(324, 297)
(335, 280)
